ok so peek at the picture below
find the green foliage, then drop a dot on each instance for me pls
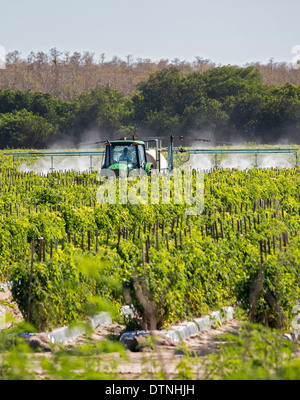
(93, 258)
(58, 292)
(193, 273)
(256, 353)
(101, 108)
(86, 362)
(24, 129)
(15, 363)
(225, 101)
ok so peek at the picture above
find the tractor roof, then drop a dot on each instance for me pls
(126, 142)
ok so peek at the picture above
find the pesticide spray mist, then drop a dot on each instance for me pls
(42, 166)
(88, 141)
(199, 161)
(242, 162)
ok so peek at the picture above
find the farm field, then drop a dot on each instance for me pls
(66, 256)
(149, 194)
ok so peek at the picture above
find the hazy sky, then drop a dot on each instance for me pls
(224, 31)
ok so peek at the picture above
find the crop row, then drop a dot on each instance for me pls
(242, 250)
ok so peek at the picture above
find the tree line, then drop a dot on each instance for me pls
(222, 103)
(67, 75)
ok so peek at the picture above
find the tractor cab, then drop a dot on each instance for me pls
(126, 155)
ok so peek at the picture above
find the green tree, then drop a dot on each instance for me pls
(101, 108)
(24, 129)
(158, 104)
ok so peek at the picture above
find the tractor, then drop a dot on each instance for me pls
(126, 155)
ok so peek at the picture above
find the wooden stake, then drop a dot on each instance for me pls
(143, 254)
(167, 241)
(107, 236)
(44, 249)
(147, 251)
(30, 282)
(40, 248)
(97, 239)
(274, 244)
(261, 251)
(173, 224)
(119, 237)
(51, 247)
(133, 233)
(216, 230)
(222, 230)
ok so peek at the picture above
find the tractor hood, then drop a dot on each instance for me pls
(119, 167)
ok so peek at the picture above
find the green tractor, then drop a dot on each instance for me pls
(126, 155)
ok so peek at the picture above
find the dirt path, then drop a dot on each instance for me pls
(146, 364)
(167, 358)
(8, 310)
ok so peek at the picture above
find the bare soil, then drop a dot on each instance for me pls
(9, 310)
(145, 364)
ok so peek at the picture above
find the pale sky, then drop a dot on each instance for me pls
(224, 31)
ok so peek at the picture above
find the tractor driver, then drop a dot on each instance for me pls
(126, 156)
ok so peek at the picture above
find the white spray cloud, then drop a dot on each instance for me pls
(238, 161)
(275, 161)
(199, 161)
(62, 164)
(86, 142)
